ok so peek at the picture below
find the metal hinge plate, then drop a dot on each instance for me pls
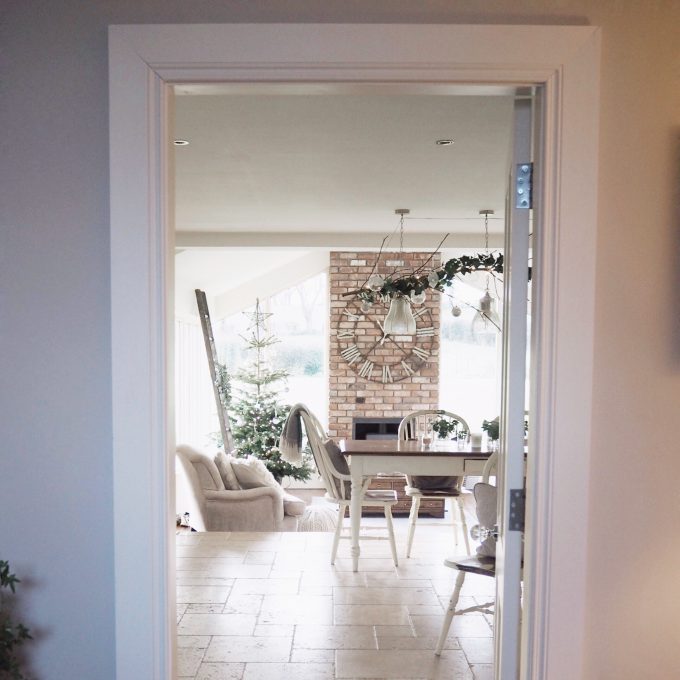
(523, 185)
(516, 518)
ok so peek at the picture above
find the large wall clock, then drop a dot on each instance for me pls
(375, 355)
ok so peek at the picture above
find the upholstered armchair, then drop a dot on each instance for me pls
(201, 492)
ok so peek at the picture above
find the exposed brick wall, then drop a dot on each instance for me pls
(348, 271)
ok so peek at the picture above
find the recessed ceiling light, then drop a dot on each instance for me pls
(181, 142)
(444, 142)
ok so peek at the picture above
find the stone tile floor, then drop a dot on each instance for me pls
(260, 606)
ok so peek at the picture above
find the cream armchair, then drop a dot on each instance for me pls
(201, 492)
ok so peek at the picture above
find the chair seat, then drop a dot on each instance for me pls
(486, 566)
(448, 492)
(380, 496)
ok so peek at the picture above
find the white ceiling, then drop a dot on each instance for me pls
(265, 163)
(338, 163)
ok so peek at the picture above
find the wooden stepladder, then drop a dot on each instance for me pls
(211, 352)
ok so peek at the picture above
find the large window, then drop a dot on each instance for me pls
(298, 320)
(470, 358)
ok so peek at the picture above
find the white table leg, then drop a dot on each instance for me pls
(355, 513)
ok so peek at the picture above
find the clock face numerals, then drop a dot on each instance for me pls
(378, 356)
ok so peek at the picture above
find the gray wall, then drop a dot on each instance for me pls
(55, 478)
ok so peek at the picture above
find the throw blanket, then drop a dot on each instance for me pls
(290, 443)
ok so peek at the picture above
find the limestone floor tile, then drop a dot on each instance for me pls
(425, 610)
(220, 671)
(478, 650)
(188, 661)
(429, 642)
(243, 604)
(296, 609)
(393, 580)
(366, 564)
(370, 614)
(407, 596)
(334, 637)
(260, 557)
(274, 630)
(208, 550)
(289, 671)
(312, 655)
(198, 641)
(394, 631)
(483, 671)
(216, 624)
(402, 665)
(333, 578)
(224, 568)
(269, 586)
(202, 594)
(204, 608)
(206, 563)
(192, 578)
(235, 648)
(461, 626)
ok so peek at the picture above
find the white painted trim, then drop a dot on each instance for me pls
(143, 61)
(347, 240)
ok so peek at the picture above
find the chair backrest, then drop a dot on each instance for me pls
(189, 496)
(490, 467)
(331, 464)
(414, 423)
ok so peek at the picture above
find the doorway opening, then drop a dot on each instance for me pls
(278, 194)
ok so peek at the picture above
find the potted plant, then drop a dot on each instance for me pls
(12, 635)
(449, 428)
(492, 429)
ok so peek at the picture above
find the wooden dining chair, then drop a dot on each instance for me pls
(433, 488)
(333, 468)
(482, 564)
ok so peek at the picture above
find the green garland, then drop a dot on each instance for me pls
(416, 283)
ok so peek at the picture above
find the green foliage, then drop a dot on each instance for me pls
(12, 635)
(447, 426)
(418, 282)
(257, 413)
(492, 428)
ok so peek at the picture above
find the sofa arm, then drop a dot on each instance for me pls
(259, 509)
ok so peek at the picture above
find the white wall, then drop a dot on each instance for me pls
(55, 477)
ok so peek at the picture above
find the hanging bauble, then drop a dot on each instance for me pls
(456, 310)
(375, 282)
(433, 279)
(418, 298)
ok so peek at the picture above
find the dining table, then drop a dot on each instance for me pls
(371, 457)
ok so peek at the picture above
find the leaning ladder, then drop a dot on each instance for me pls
(211, 353)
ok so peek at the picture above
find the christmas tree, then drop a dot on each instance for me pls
(257, 413)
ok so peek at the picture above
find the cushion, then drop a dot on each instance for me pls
(251, 473)
(449, 485)
(486, 497)
(338, 459)
(292, 505)
(339, 462)
(223, 463)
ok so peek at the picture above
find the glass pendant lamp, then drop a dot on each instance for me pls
(400, 319)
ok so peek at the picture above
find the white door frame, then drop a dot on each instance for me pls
(144, 62)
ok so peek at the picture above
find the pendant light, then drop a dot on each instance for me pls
(486, 319)
(400, 319)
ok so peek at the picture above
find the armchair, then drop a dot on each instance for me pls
(212, 507)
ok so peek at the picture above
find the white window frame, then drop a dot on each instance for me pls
(145, 61)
